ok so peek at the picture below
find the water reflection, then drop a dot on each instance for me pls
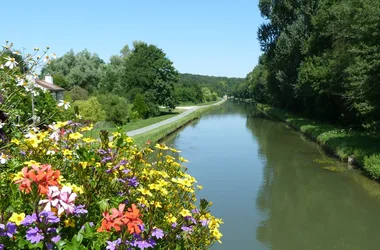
(268, 184)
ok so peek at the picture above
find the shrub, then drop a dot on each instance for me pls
(91, 110)
(77, 93)
(116, 108)
(140, 106)
(372, 166)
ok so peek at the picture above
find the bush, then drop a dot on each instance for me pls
(116, 108)
(91, 110)
(77, 93)
(141, 107)
(92, 195)
(372, 166)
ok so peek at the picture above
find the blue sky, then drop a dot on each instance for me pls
(200, 36)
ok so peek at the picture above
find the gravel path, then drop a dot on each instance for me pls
(170, 120)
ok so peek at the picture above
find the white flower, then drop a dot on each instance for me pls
(3, 158)
(54, 56)
(50, 152)
(11, 62)
(2, 124)
(16, 52)
(20, 82)
(65, 104)
(1, 66)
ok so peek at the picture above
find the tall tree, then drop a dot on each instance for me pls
(148, 69)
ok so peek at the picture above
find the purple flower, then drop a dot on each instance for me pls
(29, 220)
(8, 230)
(204, 222)
(11, 229)
(1, 246)
(112, 245)
(186, 229)
(80, 210)
(158, 233)
(142, 244)
(48, 217)
(34, 235)
(189, 218)
(195, 211)
(55, 239)
(174, 225)
(133, 181)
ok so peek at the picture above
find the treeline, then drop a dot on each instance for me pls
(133, 85)
(199, 88)
(321, 59)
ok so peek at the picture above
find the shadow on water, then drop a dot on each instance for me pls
(274, 188)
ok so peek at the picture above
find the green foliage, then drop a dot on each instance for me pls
(116, 108)
(77, 93)
(91, 110)
(140, 106)
(372, 166)
(321, 59)
(83, 69)
(148, 68)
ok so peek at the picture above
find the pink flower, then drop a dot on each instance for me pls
(66, 201)
(52, 198)
(62, 200)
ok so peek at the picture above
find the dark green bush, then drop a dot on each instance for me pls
(372, 166)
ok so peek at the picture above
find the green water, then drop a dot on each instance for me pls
(270, 185)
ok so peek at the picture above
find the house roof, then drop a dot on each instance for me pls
(48, 86)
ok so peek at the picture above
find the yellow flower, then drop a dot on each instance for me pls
(129, 139)
(183, 159)
(162, 146)
(18, 176)
(15, 141)
(75, 136)
(17, 218)
(31, 163)
(157, 204)
(83, 164)
(170, 218)
(33, 141)
(75, 188)
(144, 191)
(217, 235)
(88, 128)
(60, 124)
(175, 150)
(67, 152)
(116, 134)
(69, 223)
(88, 140)
(200, 187)
(142, 200)
(185, 212)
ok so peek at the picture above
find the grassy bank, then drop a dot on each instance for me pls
(199, 104)
(160, 133)
(136, 124)
(345, 143)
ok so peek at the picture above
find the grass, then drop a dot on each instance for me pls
(160, 133)
(343, 142)
(137, 124)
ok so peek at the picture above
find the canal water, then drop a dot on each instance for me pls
(275, 189)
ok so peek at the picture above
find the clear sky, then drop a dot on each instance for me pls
(206, 37)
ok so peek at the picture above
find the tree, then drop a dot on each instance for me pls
(116, 107)
(83, 69)
(148, 68)
(78, 93)
(140, 106)
(91, 110)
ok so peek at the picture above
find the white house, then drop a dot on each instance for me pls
(48, 84)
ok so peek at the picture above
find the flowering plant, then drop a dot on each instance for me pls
(62, 190)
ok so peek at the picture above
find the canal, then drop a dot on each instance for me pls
(275, 189)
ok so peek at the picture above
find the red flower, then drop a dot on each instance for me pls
(130, 218)
(42, 175)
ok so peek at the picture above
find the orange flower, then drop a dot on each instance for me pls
(42, 175)
(24, 181)
(130, 218)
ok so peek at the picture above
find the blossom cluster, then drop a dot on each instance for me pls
(61, 189)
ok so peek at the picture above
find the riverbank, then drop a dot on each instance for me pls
(157, 134)
(358, 148)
